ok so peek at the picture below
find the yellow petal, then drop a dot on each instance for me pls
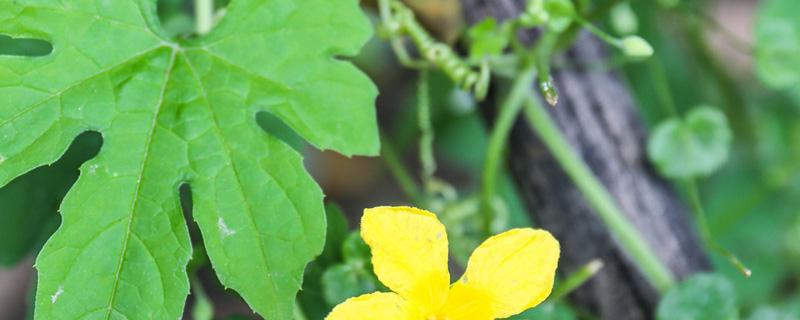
(373, 306)
(512, 272)
(409, 254)
(467, 303)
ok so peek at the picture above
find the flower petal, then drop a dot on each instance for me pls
(512, 272)
(373, 306)
(409, 254)
(467, 303)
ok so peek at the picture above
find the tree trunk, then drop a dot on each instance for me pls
(598, 117)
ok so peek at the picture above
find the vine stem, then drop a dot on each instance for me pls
(509, 111)
(576, 279)
(204, 14)
(702, 223)
(427, 134)
(659, 79)
(631, 240)
(398, 170)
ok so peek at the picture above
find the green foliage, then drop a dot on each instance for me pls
(623, 19)
(556, 14)
(335, 236)
(30, 203)
(202, 309)
(175, 112)
(355, 249)
(487, 38)
(691, 147)
(700, 297)
(778, 43)
(353, 276)
(669, 3)
(561, 14)
(348, 280)
(785, 312)
(312, 300)
(547, 311)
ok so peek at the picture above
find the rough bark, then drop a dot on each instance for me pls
(599, 118)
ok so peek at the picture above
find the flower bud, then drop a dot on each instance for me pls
(636, 47)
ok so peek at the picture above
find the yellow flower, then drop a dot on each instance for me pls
(507, 274)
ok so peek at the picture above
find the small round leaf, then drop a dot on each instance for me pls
(701, 297)
(778, 43)
(691, 147)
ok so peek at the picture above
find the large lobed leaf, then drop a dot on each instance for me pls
(174, 113)
(29, 204)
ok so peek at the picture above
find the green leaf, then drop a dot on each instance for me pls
(695, 146)
(701, 297)
(335, 236)
(354, 249)
(354, 276)
(778, 43)
(203, 309)
(669, 3)
(486, 38)
(772, 313)
(29, 205)
(181, 112)
(547, 311)
(558, 14)
(347, 280)
(561, 12)
(311, 299)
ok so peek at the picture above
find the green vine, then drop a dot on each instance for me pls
(556, 17)
(509, 111)
(399, 22)
(630, 239)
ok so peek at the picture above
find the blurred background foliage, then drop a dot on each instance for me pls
(741, 57)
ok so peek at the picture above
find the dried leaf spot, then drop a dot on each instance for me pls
(223, 228)
(54, 297)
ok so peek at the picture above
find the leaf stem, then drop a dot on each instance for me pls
(660, 82)
(543, 53)
(204, 15)
(607, 38)
(631, 240)
(398, 170)
(509, 111)
(576, 279)
(693, 193)
(427, 135)
(659, 79)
